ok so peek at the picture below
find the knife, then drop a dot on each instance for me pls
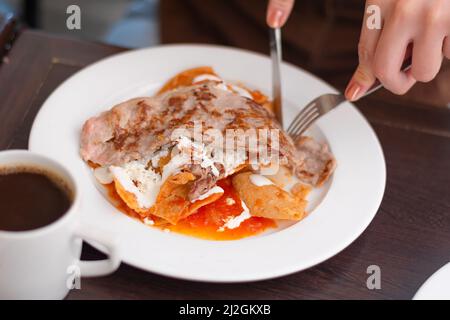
(276, 57)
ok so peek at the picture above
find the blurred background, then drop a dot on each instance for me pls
(127, 23)
(321, 36)
(311, 38)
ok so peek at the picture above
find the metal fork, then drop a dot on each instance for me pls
(322, 105)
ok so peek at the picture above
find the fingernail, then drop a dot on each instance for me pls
(353, 91)
(276, 19)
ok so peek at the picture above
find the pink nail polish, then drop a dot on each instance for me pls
(277, 19)
(354, 91)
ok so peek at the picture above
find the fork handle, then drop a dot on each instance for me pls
(407, 64)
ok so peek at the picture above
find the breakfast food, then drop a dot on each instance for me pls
(201, 144)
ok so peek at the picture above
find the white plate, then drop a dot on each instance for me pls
(437, 287)
(341, 210)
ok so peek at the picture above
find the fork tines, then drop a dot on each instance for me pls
(303, 120)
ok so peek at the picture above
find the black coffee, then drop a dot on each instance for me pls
(30, 199)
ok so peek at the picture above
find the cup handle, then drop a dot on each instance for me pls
(100, 267)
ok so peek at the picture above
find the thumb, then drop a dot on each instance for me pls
(362, 80)
(278, 12)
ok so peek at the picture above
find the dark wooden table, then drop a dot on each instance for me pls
(409, 238)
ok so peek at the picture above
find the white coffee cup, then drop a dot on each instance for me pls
(44, 263)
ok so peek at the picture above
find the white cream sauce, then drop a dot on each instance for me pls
(260, 181)
(212, 191)
(103, 175)
(223, 85)
(235, 222)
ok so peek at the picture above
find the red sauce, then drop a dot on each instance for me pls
(208, 219)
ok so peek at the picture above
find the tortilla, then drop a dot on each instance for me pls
(173, 205)
(269, 201)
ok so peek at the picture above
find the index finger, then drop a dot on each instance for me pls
(364, 77)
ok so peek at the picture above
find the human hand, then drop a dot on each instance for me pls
(278, 12)
(419, 28)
